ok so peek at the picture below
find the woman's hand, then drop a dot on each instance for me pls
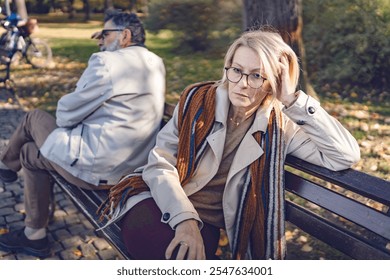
(189, 241)
(285, 93)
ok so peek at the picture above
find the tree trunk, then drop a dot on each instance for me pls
(71, 10)
(87, 10)
(108, 4)
(286, 17)
(133, 6)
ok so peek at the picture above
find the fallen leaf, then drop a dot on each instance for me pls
(218, 252)
(307, 248)
(289, 235)
(374, 167)
(223, 240)
(77, 253)
(302, 238)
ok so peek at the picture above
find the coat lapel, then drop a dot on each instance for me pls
(217, 138)
(249, 150)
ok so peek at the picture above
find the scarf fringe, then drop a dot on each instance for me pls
(118, 195)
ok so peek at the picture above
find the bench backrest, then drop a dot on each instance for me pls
(349, 210)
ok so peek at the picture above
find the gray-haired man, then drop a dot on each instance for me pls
(103, 130)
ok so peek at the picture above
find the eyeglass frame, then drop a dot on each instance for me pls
(242, 74)
(102, 36)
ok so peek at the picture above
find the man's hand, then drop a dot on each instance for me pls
(97, 35)
(189, 240)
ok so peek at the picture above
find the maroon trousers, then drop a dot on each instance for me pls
(147, 238)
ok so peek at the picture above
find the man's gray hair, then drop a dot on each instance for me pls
(128, 21)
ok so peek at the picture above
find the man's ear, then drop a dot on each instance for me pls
(127, 40)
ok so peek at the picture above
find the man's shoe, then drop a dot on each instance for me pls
(8, 176)
(17, 241)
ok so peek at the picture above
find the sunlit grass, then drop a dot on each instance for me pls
(73, 49)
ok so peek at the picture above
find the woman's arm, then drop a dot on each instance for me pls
(315, 136)
(311, 133)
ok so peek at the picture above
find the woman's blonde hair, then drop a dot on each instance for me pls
(270, 47)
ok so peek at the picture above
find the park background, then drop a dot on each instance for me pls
(344, 47)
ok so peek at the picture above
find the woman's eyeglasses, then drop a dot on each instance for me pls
(254, 80)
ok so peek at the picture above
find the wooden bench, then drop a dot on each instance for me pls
(323, 203)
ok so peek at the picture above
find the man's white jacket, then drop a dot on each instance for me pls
(108, 125)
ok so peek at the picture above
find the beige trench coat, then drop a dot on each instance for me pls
(311, 134)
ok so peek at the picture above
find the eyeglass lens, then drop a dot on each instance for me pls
(234, 75)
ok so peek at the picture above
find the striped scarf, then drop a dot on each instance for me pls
(260, 217)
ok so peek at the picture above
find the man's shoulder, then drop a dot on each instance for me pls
(105, 58)
(126, 57)
(138, 51)
(97, 57)
(132, 50)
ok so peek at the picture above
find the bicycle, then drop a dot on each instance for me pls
(16, 39)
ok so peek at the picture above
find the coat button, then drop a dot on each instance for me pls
(166, 217)
(300, 122)
(311, 110)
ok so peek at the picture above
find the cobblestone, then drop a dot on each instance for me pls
(101, 243)
(70, 234)
(73, 241)
(14, 218)
(5, 195)
(19, 207)
(7, 211)
(109, 254)
(71, 254)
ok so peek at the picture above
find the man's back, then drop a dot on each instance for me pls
(109, 123)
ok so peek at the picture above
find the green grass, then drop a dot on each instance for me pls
(73, 49)
(183, 69)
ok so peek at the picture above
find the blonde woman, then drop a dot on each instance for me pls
(218, 163)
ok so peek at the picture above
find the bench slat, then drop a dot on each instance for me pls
(343, 206)
(337, 237)
(358, 182)
(168, 110)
